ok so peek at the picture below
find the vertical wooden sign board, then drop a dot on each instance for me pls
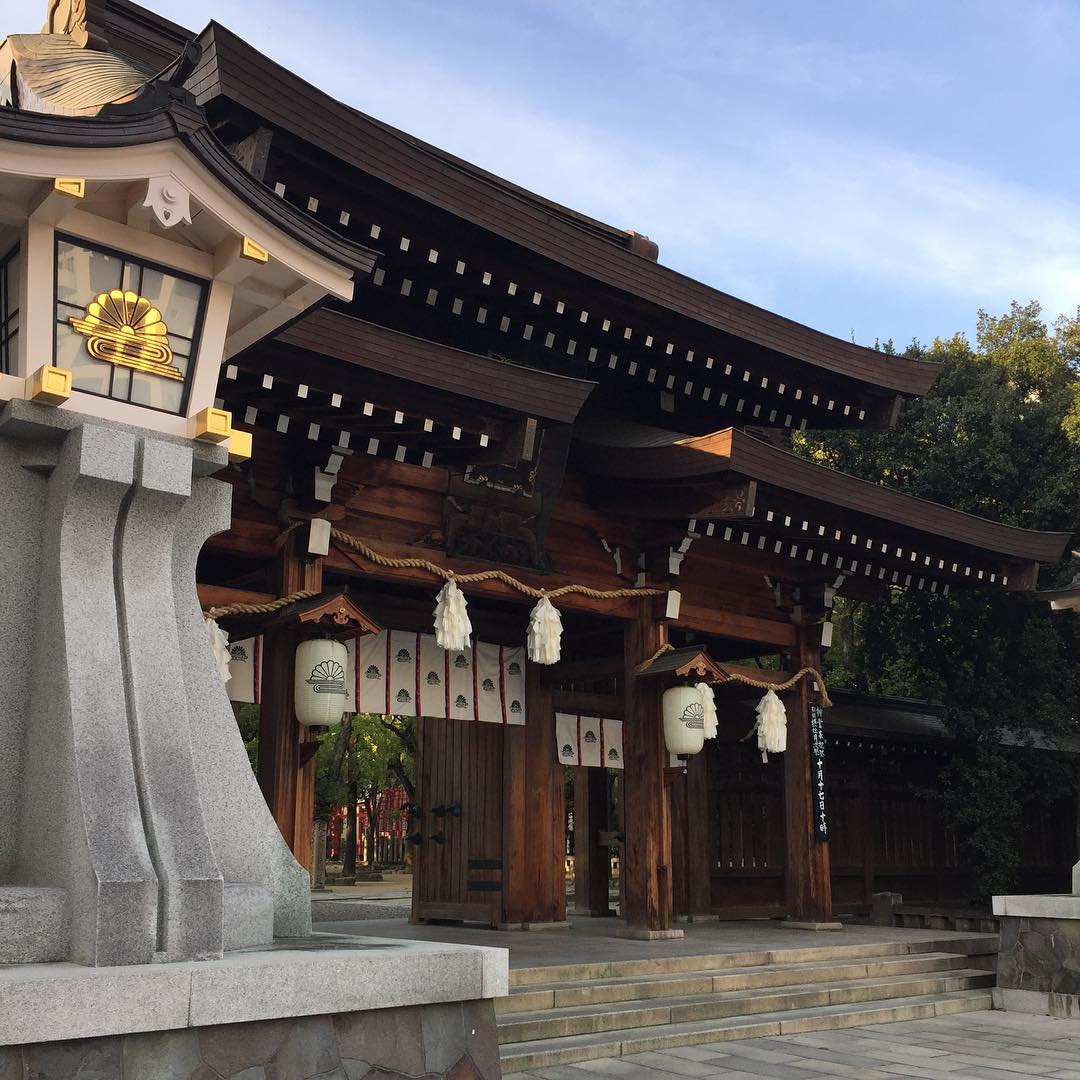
(817, 757)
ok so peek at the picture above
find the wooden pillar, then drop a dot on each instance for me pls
(592, 864)
(806, 868)
(288, 786)
(700, 843)
(534, 813)
(645, 816)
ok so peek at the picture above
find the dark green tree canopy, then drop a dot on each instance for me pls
(998, 435)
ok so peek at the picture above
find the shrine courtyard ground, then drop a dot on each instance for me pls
(987, 1045)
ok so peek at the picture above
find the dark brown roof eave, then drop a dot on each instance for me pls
(242, 74)
(187, 124)
(496, 382)
(733, 451)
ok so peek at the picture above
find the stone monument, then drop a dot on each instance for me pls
(147, 898)
(1039, 954)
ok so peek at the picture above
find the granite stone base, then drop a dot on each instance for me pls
(450, 1040)
(1041, 955)
(1036, 1003)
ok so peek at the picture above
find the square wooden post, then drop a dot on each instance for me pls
(645, 817)
(288, 785)
(808, 887)
(592, 864)
(534, 814)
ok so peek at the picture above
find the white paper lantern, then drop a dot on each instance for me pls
(684, 720)
(319, 693)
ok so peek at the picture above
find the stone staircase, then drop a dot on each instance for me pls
(579, 1012)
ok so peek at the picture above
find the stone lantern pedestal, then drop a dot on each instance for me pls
(1039, 954)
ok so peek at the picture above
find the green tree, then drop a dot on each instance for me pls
(998, 435)
(357, 761)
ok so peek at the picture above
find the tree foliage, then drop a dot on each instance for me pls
(998, 435)
(358, 760)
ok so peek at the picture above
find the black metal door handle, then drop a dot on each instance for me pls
(439, 837)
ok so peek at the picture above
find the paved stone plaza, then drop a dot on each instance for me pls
(989, 1046)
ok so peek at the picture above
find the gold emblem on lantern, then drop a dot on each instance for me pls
(125, 328)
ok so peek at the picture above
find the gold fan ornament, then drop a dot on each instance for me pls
(125, 328)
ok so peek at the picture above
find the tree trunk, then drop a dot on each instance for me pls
(348, 862)
(341, 745)
(371, 801)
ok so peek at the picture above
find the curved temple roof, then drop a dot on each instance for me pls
(232, 68)
(634, 453)
(187, 124)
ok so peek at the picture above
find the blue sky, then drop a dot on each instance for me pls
(874, 169)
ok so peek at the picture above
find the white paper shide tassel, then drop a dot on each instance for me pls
(452, 626)
(708, 703)
(545, 633)
(219, 646)
(771, 726)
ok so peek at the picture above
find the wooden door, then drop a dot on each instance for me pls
(459, 862)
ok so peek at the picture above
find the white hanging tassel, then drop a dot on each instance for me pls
(771, 726)
(708, 703)
(452, 626)
(219, 646)
(545, 633)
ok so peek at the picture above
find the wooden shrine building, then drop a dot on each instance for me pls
(519, 388)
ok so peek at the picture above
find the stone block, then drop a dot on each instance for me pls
(482, 1038)
(530, 1001)
(248, 916)
(443, 1029)
(258, 985)
(383, 1037)
(638, 933)
(1040, 954)
(229, 1048)
(11, 1063)
(33, 925)
(309, 1049)
(161, 1055)
(46, 1002)
(883, 907)
(81, 1059)
(1037, 1003)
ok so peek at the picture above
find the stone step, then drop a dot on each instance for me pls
(542, 1053)
(650, 987)
(561, 974)
(623, 1016)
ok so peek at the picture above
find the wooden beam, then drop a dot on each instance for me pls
(733, 625)
(344, 560)
(808, 889)
(580, 703)
(221, 596)
(715, 501)
(584, 670)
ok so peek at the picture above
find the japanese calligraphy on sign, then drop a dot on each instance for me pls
(817, 770)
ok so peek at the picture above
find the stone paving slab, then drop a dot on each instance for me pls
(971, 1046)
